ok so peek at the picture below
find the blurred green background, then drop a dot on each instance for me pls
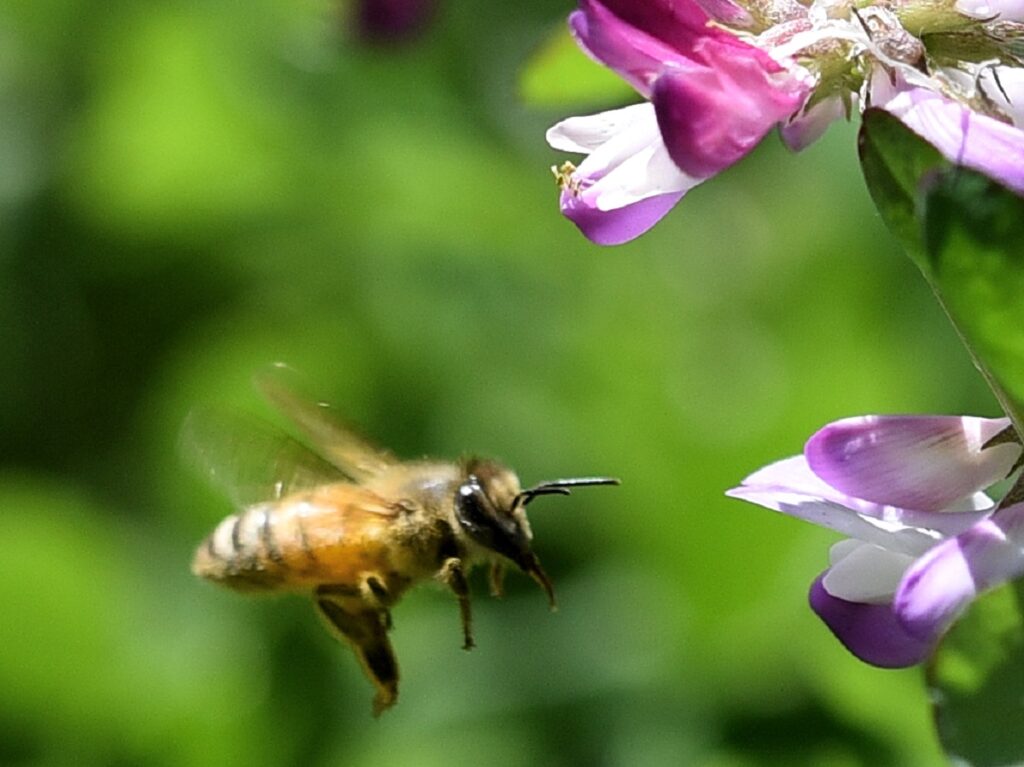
(190, 190)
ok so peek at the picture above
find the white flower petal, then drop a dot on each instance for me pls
(647, 173)
(586, 133)
(863, 572)
(888, 533)
(1004, 10)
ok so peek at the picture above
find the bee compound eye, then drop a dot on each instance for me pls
(470, 509)
(497, 532)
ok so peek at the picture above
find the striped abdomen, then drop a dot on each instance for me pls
(328, 535)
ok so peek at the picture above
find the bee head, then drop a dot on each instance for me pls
(490, 509)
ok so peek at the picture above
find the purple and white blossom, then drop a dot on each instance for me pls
(718, 75)
(392, 21)
(922, 539)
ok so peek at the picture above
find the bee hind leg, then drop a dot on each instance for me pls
(376, 594)
(453, 576)
(365, 630)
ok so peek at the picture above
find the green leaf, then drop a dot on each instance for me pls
(895, 160)
(966, 234)
(560, 74)
(974, 245)
(976, 679)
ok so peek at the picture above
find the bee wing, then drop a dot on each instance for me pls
(251, 461)
(339, 444)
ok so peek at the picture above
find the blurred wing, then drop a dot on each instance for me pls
(251, 461)
(339, 444)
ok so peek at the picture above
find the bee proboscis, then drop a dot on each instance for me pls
(355, 527)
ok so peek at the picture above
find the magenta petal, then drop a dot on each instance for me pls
(638, 40)
(712, 115)
(634, 54)
(871, 632)
(675, 22)
(942, 583)
(614, 227)
(928, 463)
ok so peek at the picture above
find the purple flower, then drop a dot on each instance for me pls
(717, 75)
(922, 539)
(389, 21)
(712, 98)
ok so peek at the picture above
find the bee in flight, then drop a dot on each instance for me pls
(354, 526)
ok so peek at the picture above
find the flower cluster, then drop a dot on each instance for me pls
(392, 21)
(923, 539)
(716, 76)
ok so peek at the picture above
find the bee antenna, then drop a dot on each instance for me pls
(559, 487)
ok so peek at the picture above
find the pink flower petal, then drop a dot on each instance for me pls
(928, 463)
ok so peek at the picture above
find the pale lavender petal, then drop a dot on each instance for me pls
(794, 474)
(808, 126)
(791, 487)
(927, 463)
(942, 583)
(871, 632)
(727, 12)
(888, 533)
(962, 135)
(614, 227)
(1004, 10)
(712, 115)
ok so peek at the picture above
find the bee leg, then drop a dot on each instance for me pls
(497, 579)
(364, 630)
(453, 577)
(376, 594)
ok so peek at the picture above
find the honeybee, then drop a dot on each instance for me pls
(355, 527)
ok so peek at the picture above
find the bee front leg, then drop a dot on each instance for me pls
(497, 579)
(453, 576)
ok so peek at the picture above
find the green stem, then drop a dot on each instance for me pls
(1010, 406)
